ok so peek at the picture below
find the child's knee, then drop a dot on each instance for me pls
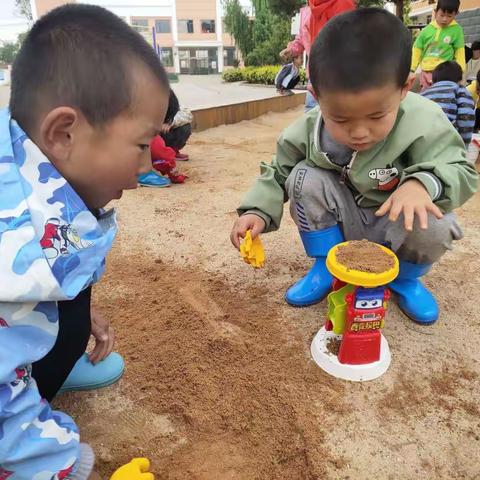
(306, 183)
(424, 245)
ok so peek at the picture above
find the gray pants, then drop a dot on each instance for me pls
(318, 200)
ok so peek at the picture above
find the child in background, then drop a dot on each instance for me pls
(453, 98)
(474, 90)
(374, 162)
(163, 160)
(289, 76)
(177, 132)
(163, 156)
(77, 135)
(439, 42)
(473, 65)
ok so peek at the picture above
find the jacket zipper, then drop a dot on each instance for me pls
(346, 169)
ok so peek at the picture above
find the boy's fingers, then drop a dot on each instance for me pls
(384, 208)
(235, 238)
(408, 217)
(395, 211)
(435, 210)
(422, 218)
(257, 229)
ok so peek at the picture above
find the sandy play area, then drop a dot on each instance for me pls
(220, 384)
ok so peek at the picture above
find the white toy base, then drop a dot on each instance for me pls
(355, 373)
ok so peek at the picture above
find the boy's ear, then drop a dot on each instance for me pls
(408, 84)
(57, 132)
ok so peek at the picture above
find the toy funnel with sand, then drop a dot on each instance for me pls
(350, 345)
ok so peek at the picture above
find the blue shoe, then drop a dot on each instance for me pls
(151, 179)
(413, 298)
(317, 283)
(87, 376)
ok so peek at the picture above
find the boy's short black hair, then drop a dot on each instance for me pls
(361, 49)
(476, 45)
(81, 56)
(173, 107)
(447, 71)
(449, 6)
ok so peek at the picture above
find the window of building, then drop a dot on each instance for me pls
(166, 57)
(140, 25)
(185, 26)
(229, 56)
(208, 26)
(163, 26)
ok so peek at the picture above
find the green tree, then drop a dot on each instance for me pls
(276, 34)
(8, 51)
(239, 26)
(24, 9)
(371, 3)
(286, 8)
(259, 39)
(402, 7)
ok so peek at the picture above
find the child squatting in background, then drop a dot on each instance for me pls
(374, 162)
(77, 134)
(439, 42)
(453, 98)
(165, 147)
(289, 76)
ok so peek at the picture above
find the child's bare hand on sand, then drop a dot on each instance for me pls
(246, 222)
(411, 199)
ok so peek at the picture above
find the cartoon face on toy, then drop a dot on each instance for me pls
(368, 304)
(387, 177)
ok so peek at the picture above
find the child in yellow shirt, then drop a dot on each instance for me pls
(439, 42)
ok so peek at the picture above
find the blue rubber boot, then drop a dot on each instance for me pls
(317, 283)
(87, 376)
(151, 179)
(413, 298)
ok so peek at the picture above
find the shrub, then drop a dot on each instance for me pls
(260, 75)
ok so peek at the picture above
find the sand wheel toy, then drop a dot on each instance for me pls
(350, 345)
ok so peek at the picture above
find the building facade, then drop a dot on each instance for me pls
(421, 11)
(188, 35)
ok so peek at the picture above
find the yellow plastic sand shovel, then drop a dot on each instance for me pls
(252, 251)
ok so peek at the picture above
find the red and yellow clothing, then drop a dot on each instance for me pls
(436, 45)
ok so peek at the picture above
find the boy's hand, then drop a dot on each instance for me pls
(410, 199)
(104, 337)
(246, 222)
(285, 54)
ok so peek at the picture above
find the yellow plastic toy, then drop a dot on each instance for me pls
(137, 469)
(252, 251)
(355, 277)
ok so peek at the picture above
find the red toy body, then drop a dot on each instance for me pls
(365, 317)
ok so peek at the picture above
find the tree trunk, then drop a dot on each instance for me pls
(399, 5)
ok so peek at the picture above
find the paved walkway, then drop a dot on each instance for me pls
(201, 91)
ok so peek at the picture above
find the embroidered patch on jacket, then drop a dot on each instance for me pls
(387, 178)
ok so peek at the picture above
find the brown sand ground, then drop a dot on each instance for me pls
(220, 384)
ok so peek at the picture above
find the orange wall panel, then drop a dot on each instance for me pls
(44, 6)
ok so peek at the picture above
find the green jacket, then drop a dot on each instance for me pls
(423, 145)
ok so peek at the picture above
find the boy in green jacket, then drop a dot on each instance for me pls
(439, 42)
(377, 163)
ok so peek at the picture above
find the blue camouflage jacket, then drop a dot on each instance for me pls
(51, 248)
